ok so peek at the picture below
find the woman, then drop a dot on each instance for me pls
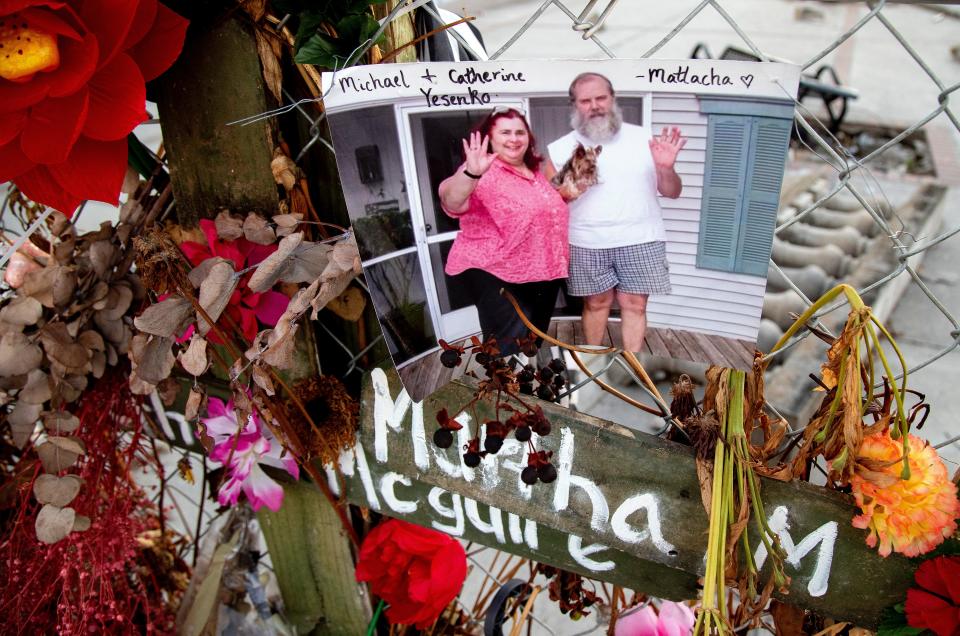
(513, 227)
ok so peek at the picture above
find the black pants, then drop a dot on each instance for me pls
(498, 318)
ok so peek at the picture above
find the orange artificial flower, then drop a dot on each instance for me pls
(910, 516)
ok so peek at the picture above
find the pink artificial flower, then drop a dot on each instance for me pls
(255, 445)
(245, 307)
(674, 619)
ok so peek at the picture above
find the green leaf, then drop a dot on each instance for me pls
(893, 622)
(309, 24)
(319, 50)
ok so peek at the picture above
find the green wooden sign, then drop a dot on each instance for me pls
(625, 507)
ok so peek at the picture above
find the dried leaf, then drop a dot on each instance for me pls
(284, 170)
(287, 223)
(194, 403)
(295, 261)
(152, 357)
(257, 230)
(59, 453)
(167, 318)
(269, 53)
(215, 292)
(117, 301)
(18, 356)
(23, 420)
(56, 491)
(53, 523)
(168, 390)
(200, 272)
(788, 619)
(101, 257)
(22, 311)
(81, 523)
(113, 330)
(92, 340)
(62, 348)
(64, 286)
(344, 264)
(37, 389)
(262, 378)
(349, 305)
(229, 226)
(705, 478)
(131, 180)
(60, 422)
(139, 386)
(280, 346)
(72, 386)
(194, 359)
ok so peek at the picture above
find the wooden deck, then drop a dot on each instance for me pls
(426, 375)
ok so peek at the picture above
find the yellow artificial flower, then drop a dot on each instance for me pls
(910, 516)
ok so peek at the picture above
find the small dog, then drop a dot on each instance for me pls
(578, 173)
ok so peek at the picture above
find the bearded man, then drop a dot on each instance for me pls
(617, 237)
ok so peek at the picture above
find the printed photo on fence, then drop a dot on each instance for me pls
(614, 203)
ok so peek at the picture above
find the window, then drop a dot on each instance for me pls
(746, 153)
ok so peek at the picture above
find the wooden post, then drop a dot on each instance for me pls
(216, 80)
(625, 508)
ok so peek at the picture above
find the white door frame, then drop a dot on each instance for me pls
(463, 322)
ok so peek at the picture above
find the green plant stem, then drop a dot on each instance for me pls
(372, 626)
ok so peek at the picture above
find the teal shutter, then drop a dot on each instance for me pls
(769, 139)
(741, 191)
(726, 165)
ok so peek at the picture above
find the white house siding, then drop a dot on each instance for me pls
(703, 300)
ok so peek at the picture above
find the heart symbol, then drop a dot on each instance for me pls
(747, 80)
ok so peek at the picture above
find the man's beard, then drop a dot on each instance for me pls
(600, 128)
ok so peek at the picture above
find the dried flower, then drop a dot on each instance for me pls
(243, 451)
(910, 516)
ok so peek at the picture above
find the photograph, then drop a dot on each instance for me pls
(615, 203)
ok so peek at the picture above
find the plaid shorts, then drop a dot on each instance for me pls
(633, 269)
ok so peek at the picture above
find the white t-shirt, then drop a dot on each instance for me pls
(622, 209)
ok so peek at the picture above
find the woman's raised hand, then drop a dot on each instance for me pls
(478, 160)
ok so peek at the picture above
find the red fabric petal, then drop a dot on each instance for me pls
(53, 127)
(257, 253)
(271, 306)
(931, 612)
(94, 170)
(117, 100)
(11, 125)
(78, 61)
(54, 22)
(248, 324)
(13, 162)
(111, 21)
(949, 569)
(142, 21)
(157, 50)
(41, 185)
(195, 252)
(929, 576)
(16, 96)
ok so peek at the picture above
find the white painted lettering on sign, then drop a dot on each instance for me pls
(825, 535)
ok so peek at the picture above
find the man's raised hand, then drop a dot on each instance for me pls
(478, 160)
(666, 146)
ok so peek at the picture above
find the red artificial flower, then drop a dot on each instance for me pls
(416, 570)
(245, 307)
(935, 603)
(72, 88)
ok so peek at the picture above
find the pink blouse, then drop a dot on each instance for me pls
(514, 228)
